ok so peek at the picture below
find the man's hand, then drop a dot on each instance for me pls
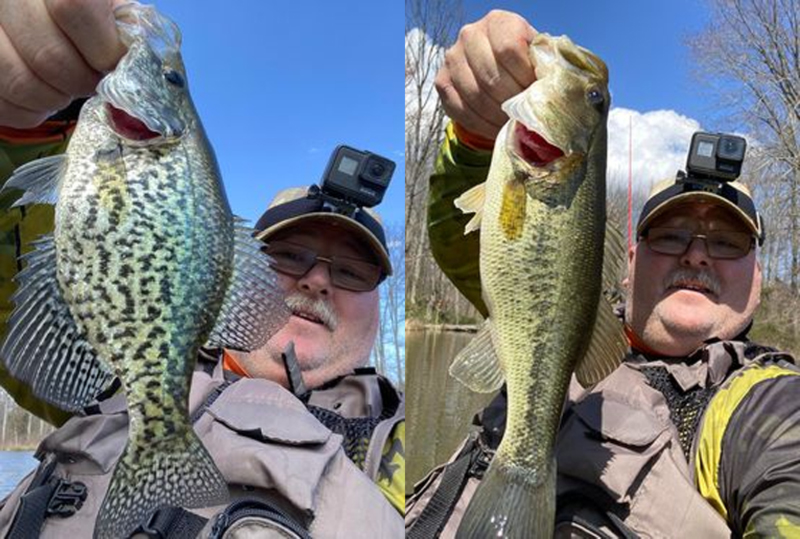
(51, 52)
(488, 64)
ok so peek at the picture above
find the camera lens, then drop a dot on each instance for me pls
(377, 169)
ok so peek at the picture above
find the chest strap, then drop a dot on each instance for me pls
(472, 462)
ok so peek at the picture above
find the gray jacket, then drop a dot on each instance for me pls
(264, 441)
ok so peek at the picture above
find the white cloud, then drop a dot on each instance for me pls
(660, 143)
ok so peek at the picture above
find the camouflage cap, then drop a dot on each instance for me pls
(733, 195)
(300, 204)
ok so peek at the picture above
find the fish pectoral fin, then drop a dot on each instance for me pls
(471, 201)
(254, 308)
(44, 347)
(606, 348)
(477, 365)
(38, 179)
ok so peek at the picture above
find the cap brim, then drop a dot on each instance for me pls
(698, 195)
(339, 220)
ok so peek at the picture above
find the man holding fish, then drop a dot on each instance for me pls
(104, 316)
(697, 432)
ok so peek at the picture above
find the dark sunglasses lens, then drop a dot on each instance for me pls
(355, 275)
(668, 241)
(289, 258)
(719, 243)
(729, 244)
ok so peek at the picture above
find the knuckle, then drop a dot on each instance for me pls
(61, 10)
(468, 31)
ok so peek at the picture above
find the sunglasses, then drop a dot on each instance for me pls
(725, 244)
(348, 273)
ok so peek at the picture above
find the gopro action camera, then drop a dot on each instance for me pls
(357, 177)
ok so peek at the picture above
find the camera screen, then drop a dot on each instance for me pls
(347, 165)
(705, 149)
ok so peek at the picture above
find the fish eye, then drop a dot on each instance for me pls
(596, 98)
(174, 78)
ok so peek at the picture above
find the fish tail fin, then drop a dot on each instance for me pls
(172, 471)
(511, 502)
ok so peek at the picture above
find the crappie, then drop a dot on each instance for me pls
(145, 265)
(542, 220)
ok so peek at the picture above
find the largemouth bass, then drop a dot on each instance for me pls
(542, 220)
(145, 265)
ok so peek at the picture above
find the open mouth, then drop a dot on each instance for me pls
(533, 148)
(127, 126)
(309, 317)
(692, 286)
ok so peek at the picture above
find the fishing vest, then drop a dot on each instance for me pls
(288, 474)
(626, 465)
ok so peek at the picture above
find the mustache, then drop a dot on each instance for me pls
(315, 307)
(683, 276)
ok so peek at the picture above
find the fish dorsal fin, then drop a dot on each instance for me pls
(477, 365)
(44, 347)
(471, 201)
(38, 179)
(254, 308)
(608, 344)
(614, 258)
(606, 348)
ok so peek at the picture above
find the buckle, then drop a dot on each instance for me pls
(67, 498)
(150, 528)
(480, 461)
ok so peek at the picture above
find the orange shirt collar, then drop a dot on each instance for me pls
(229, 363)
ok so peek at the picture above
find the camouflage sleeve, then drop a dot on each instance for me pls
(392, 473)
(458, 168)
(18, 227)
(760, 464)
(754, 476)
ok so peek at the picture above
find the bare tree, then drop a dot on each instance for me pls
(750, 56)
(430, 27)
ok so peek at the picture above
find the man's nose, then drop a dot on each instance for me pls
(696, 253)
(317, 281)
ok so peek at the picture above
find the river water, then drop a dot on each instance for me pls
(439, 409)
(14, 465)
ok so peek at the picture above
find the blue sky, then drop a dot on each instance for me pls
(279, 84)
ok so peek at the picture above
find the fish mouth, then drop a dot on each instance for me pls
(533, 148)
(128, 126)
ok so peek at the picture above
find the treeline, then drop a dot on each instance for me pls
(18, 428)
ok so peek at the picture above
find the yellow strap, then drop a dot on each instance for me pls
(717, 416)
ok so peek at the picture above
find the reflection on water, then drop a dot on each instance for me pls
(439, 409)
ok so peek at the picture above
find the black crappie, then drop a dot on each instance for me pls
(146, 264)
(542, 218)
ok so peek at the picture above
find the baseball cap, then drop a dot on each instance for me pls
(301, 204)
(733, 195)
